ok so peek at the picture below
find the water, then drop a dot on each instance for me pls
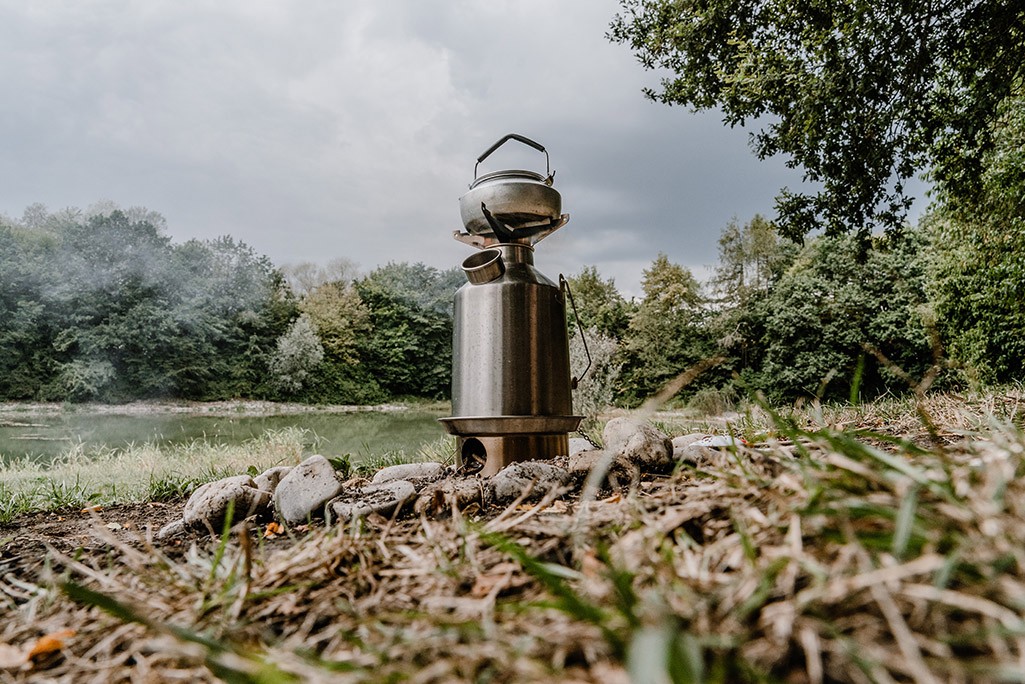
(41, 436)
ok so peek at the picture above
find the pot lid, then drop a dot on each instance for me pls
(512, 174)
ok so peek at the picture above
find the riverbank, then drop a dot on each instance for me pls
(206, 408)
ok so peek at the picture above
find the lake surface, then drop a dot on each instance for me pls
(43, 435)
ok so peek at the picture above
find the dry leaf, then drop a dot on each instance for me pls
(92, 509)
(615, 498)
(49, 643)
(273, 529)
(113, 526)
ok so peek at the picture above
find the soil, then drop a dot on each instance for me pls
(24, 542)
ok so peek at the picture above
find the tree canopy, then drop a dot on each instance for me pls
(860, 95)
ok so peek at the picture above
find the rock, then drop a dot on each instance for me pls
(439, 497)
(383, 498)
(684, 449)
(619, 472)
(720, 442)
(684, 441)
(208, 505)
(303, 492)
(419, 474)
(268, 480)
(516, 478)
(578, 445)
(638, 443)
(702, 449)
(580, 464)
(172, 529)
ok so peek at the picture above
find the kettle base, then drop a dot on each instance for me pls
(498, 451)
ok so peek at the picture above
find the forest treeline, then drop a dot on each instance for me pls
(105, 307)
(100, 305)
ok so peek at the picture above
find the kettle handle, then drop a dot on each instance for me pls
(514, 136)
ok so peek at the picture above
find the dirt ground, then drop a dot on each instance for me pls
(25, 541)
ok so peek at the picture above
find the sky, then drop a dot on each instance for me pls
(320, 130)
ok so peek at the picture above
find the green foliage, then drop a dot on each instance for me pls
(596, 390)
(860, 95)
(666, 334)
(598, 303)
(831, 302)
(410, 346)
(298, 355)
(977, 261)
(104, 307)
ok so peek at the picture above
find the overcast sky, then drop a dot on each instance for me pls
(322, 129)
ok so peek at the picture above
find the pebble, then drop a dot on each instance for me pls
(512, 481)
(579, 445)
(302, 493)
(268, 480)
(208, 505)
(419, 474)
(383, 498)
(638, 443)
(438, 498)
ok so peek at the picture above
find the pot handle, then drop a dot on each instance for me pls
(514, 136)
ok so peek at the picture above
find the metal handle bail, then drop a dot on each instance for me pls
(523, 139)
(564, 285)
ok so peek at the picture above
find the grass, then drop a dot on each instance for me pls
(138, 473)
(150, 472)
(871, 543)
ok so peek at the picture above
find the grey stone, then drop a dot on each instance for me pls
(618, 471)
(172, 529)
(580, 463)
(303, 492)
(419, 474)
(684, 449)
(579, 445)
(208, 505)
(383, 498)
(439, 497)
(684, 441)
(638, 443)
(703, 449)
(268, 480)
(515, 479)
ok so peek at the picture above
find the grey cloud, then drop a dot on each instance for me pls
(319, 130)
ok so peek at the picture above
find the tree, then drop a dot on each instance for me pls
(100, 305)
(752, 258)
(599, 304)
(25, 350)
(340, 318)
(977, 259)
(665, 335)
(821, 313)
(410, 346)
(307, 276)
(861, 95)
(596, 390)
(298, 354)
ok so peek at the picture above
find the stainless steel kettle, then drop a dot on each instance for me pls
(522, 201)
(511, 384)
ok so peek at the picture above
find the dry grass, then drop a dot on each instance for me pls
(821, 553)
